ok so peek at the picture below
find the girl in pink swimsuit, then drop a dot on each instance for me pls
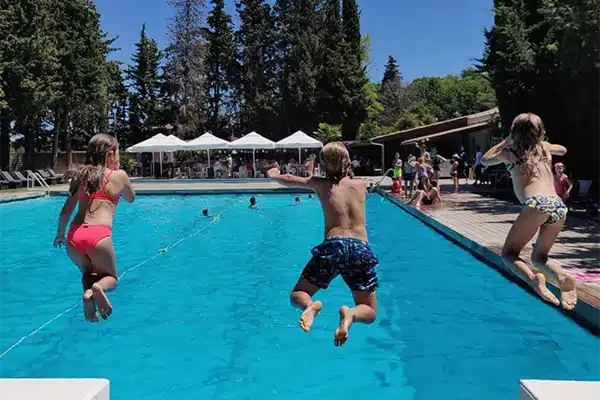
(96, 188)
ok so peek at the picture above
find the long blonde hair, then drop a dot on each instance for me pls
(528, 133)
(90, 175)
(336, 160)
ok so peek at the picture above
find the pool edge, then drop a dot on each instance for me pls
(584, 313)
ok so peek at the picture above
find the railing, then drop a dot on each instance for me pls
(32, 177)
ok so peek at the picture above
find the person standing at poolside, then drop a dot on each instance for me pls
(345, 250)
(95, 188)
(528, 157)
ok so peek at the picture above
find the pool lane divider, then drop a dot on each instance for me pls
(584, 313)
(195, 192)
(158, 254)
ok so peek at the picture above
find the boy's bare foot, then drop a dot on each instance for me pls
(308, 316)
(539, 285)
(341, 333)
(89, 307)
(568, 292)
(104, 306)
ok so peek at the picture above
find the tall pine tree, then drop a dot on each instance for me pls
(256, 83)
(331, 80)
(145, 86)
(219, 69)
(355, 79)
(184, 69)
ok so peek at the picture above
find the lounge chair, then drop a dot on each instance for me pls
(16, 183)
(581, 197)
(58, 177)
(3, 183)
(47, 177)
(19, 175)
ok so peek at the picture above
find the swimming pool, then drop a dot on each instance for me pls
(210, 318)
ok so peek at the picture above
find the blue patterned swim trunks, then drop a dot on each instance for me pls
(351, 258)
(553, 206)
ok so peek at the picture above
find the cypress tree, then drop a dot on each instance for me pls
(145, 84)
(256, 95)
(331, 80)
(355, 77)
(184, 69)
(219, 68)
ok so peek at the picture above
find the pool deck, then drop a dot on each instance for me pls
(481, 225)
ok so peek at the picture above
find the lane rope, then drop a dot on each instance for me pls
(68, 310)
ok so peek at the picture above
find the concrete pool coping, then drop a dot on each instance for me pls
(55, 389)
(584, 313)
(558, 390)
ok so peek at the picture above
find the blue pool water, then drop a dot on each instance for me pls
(210, 319)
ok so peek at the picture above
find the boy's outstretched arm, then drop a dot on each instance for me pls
(289, 180)
(493, 155)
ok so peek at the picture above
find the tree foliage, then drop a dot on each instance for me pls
(219, 69)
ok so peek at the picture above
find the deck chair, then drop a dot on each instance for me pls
(47, 177)
(582, 194)
(56, 176)
(12, 182)
(3, 183)
(19, 175)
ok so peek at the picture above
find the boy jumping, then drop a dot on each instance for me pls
(345, 250)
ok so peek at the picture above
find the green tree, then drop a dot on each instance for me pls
(331, 80)
(184, 69)
(328, 133)
(355, 110)
(145, 87)
(219, 68)
(256, 96)
(29, 70)
(117, 102)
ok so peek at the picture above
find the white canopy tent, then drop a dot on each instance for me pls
(299, 140)
(254, 142)
(207, 142)
(158, 143)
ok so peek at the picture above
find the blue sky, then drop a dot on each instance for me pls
(427, 37)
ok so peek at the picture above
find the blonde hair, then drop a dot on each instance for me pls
(528, 133)
(89, 175)
(336, 160)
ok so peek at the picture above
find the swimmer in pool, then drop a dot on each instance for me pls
(310, 196)
(345, 250)
(297, 200)
(253, 204)
(206, 212)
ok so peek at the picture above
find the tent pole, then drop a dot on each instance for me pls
(208, 153)
(160, 156)
(299, 157)
(253, 163)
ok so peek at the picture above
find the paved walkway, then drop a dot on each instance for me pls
(487, 221)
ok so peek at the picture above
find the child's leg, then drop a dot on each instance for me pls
(301, 298)
(364, 311)
(85, 266)
(523, 229)
(539, 257)
(105, 266)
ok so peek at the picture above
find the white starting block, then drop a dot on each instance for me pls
(559, 390)
(54, 389)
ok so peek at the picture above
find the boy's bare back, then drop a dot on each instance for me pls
(343, 205)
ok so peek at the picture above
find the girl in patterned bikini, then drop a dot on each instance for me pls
(528, 157)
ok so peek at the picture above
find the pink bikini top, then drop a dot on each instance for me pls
(100, 194)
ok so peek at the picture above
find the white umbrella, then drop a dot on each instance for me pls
(299, 140)
(207, 142)
(158, 144)
(252, 141)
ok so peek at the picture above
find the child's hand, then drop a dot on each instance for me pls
(273, 172)
(59, 241)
